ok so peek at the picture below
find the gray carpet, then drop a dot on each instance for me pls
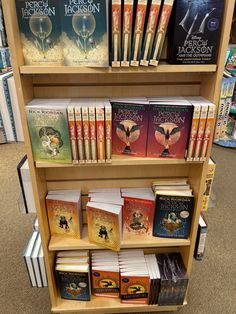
(212, 286)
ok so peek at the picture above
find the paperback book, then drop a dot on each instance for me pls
(128, 8)
(39, 24)
(116, 33)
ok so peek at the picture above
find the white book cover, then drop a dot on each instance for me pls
(27, 256)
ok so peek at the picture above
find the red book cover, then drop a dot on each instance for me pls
(138, 215)
(169, 127)
(129, 128)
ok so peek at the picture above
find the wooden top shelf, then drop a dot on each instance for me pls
(107, 305)
(161, 68)
(58, 243)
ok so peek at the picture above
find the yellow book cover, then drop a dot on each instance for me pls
(64, 216)
(208, 184)
(104, 224)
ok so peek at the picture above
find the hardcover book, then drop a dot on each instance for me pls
(169, 127)
(116, 33)
(129, 128)
(201, 130)
(195, 31)
(128, 8)
(85, 33)
(39, 24)
(193, 132)
(173, 215)
(49, 133)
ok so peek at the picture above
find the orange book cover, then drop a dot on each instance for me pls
(93, 135)
(208, 131)
(200, 133)
(100, 124)
(86, 130)
(105, 283)
(108, 127)
(134, 289)
(79, 134)
(193, 132)
(72, 130)
(65, 218)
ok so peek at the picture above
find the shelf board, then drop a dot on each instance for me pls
(121, 161)
(107, 305)
(161, 68)
(60, 243)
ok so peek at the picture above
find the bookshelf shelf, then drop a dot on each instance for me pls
(162, 68)
(106, 305)
(58, 243)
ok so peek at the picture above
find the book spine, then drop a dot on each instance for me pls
(3, 136)
(108, 126)
(161, 31)
(72, 130)
(200, 244)
(208, 131)
(127, 32)
(93, 136)
(85, 118)
(200, 133)
(116, 33)
(150, 32)
(3, 58)
(193, 132)
(79, 134)
(100, 122)
(208, 186)
(221, 108)
(138, 32)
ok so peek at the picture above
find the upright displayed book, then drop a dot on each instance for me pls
(221, 106)
(85, 33)
(128, 9)
(201, 238)
(195, 31)
(208, 184)
(116, 33)
(39, 24)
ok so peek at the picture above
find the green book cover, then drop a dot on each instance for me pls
(49, 133)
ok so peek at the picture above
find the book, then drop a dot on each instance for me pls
(154, 273)
(74, 282)
(36, 224)
(3, 136)
(137, 40)
(221, 106)
(100, 127)
(128, 8)
(201, 238)
(153, 15)
(35, 261)
(86, 132)
(64, 214)
(93, 131)
(108, 131)
(201, 130)
(138, 215)
(173, 215)
(85, 33)
(72, 253)
(40, 31)
(195, 31)
(42, 267)
(116, 33)
(129, 128)
(72, 131)
(208, 184)
(169, 127)
(79, 133)
(161, 32)
(104, 224)
(49, 133)
(208, 131)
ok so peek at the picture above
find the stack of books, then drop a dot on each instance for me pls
(154, 273)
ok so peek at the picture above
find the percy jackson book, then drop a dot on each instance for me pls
(116, 33)
(129, 128)
(85, 32)
(169, 127)
(127, 20)
(39, 24)
(195, 31)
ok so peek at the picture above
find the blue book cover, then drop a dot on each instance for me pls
(74, 285)
(39, 24)
(173, 216)
(85, 32)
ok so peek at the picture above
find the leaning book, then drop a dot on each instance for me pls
(39, 24)
(49, 133)
(85, 33)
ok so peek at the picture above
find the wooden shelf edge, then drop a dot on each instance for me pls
(106, 305)
(161, 68)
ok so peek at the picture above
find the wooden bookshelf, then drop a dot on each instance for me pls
(71, 82)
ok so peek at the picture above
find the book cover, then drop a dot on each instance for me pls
(74, 285)
(72, 130)
(86, 133)
(201, 131)
(108, 131)
(230, 59)
(161, 32)
(138, 215)
(128, 8)
(195, 31)
(65, 217)
(93, 132)
(169, 127)
(201, 238)
(105, 283)
(79, 134)
(134, 289)
(208, 184)
(137, 40)
(173, 216)
(85, 33)
(193, 132)
(116, 33)
(103, 226)
(208, 131)
(221, 106)
(39, 24)
(129, 128)
(49, 134)
(150, 32)
(100, 127)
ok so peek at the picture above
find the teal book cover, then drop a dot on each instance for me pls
(49, 133)
(85, 32)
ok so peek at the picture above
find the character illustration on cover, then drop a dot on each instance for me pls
(103, 232)
(172, 222)
(63, 223)
(73, 289)
(137, 223)
(107, 283)
(51, 140)
(167, 134)
(128, 132)
(135, 289)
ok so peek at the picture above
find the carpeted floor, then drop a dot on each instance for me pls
(212, 286)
